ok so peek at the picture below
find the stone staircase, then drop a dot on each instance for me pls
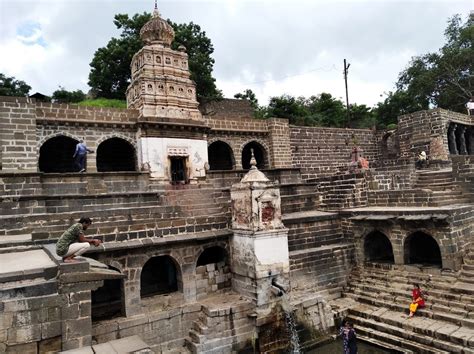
(380, 294)
(132, 216)
(441, 183)
(466, 275)
(222, 328)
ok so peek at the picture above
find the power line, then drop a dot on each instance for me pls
(333, 67)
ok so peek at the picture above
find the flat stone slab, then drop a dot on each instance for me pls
(127, 345)
(24, 262)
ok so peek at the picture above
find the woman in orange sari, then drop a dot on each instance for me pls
(417, 301)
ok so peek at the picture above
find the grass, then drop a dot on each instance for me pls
(104, 102)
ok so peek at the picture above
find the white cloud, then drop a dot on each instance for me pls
(298, 44)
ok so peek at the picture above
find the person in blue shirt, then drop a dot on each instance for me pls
(80, 155)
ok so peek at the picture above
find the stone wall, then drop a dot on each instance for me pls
(93, 136)
(227, 109)
(280, 142)
(212, 277)
(421, 131)
(324, 151)
(450, 233)
(71, 113)
(463, 173)
(238, 140)
(320, 257)
(17, 134)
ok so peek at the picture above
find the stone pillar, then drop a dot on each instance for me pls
(452, 139)
(91, 162)
(280, 142)
(260, 254)
(18, 134)
(76, 317)
(462, 139)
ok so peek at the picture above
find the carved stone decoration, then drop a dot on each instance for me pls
(167, 72)
(157, 31)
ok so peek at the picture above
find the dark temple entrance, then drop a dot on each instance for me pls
(56, 155)
(378, 248)
(211, 255)
(115, 155)
(178, 169)
(220, 156)
(159, 276)
(421, 248)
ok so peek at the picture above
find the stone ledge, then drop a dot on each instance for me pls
(308, 216)
(154, 241)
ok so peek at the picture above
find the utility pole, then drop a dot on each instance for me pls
(346, 68)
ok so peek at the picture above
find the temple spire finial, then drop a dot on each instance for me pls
(155, 11)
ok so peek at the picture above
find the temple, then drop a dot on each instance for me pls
(223, 233)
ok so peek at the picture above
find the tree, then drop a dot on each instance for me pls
(110, 67)
(248, 95)
(11, 87)
(64, 96)
(396, 104)
(443, 79)
(201, 64)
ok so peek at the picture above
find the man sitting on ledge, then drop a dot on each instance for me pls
(422, 160)
(72, 242)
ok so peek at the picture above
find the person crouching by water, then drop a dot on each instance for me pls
(417, 300)
(349, 338)
(72, 242)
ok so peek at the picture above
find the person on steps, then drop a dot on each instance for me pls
(417, 300)
(80, 156)
(72, 242)
(349, 338)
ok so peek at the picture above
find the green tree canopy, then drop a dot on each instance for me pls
(443, 79)
(9, 86)
(64, 96)
(248, 95)
(110, 67)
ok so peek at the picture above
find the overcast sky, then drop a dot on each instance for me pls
(270, 46)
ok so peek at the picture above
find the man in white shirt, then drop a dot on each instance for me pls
(470, 107)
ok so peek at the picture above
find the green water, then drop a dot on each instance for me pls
(336, 348)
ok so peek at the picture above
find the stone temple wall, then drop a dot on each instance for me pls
(420, 130)
(323, 151)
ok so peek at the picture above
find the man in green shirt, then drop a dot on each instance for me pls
(72, 242)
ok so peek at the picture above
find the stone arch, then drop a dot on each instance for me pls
(378, 248)
(389, 145)
(221, 156)
(108, 301)
(160, 274)
(116, 154)
(212, 254)
(212, 270)
(56, 153)
(261, 152)
(422, 248)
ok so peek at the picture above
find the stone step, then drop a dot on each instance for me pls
(406, 339)
(401, 305)
(432, 328)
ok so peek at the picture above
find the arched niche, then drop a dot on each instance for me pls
(421, 248)
(212, 271)
(378, 248)
(108, 300)
(160, 275)
(259, 152)
(115, 155)
(56, 155)
(220, 156)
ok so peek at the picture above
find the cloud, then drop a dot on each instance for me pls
(272, 47)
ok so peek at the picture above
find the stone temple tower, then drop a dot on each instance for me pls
(171, 136)
(160, 85)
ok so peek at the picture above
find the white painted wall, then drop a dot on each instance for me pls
(155, 152)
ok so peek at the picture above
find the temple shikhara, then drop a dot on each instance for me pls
(222, 233)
